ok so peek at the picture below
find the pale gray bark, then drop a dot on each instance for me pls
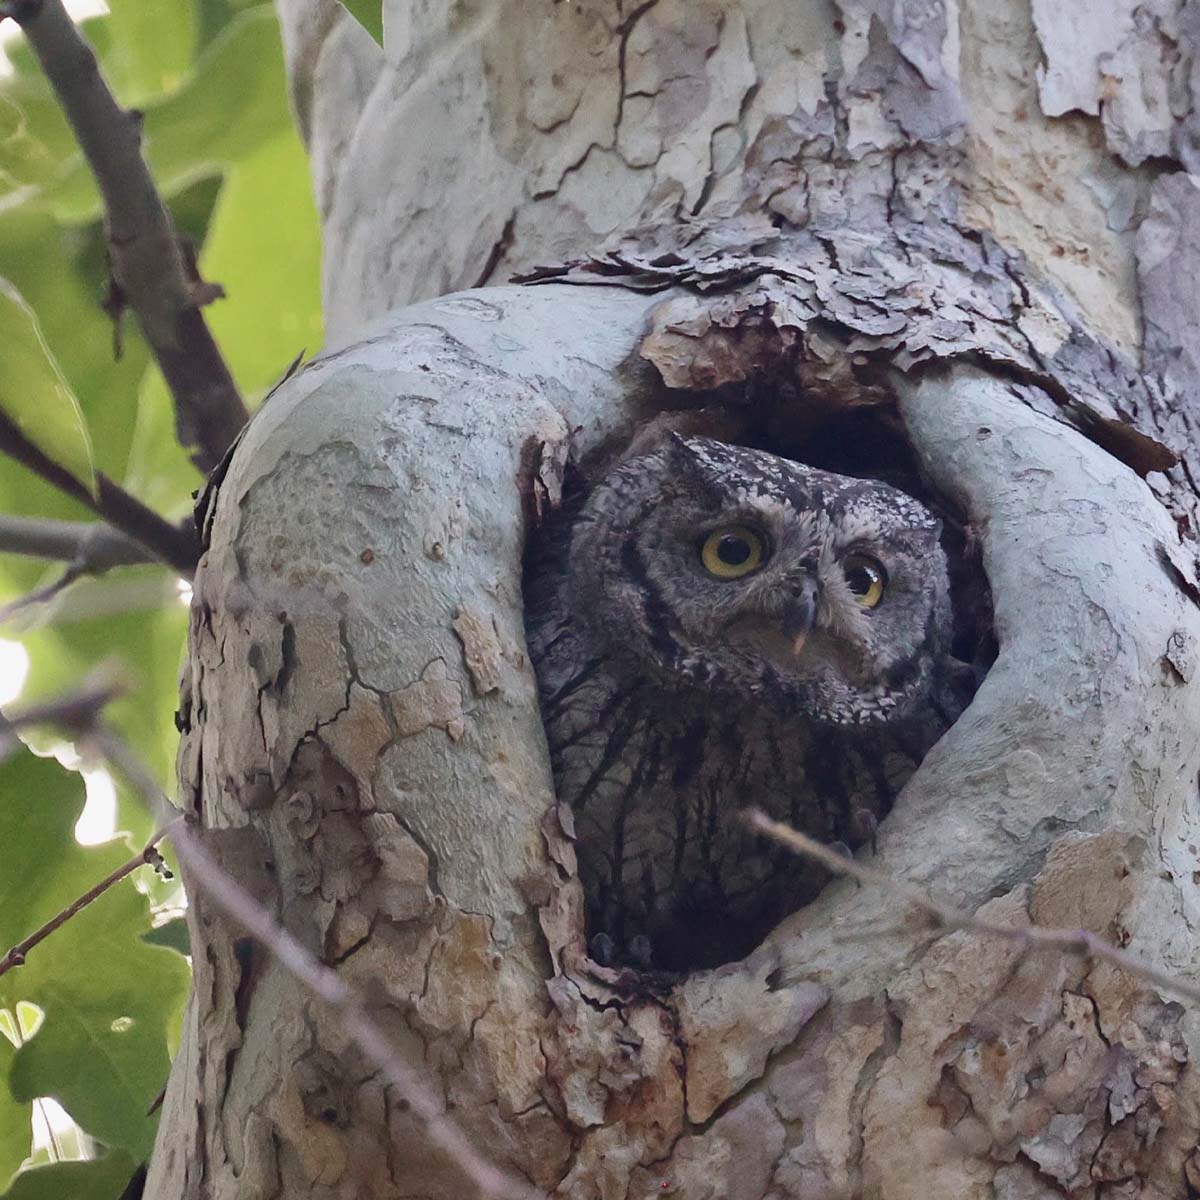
(361, 728)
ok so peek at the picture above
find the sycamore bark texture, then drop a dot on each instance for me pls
(976, 217)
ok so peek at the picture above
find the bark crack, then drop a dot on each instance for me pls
(867, 1075)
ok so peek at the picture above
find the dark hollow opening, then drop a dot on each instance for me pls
(655, 771)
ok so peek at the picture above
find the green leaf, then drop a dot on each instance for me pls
(264, 247)
(134, 621)
(107, 997)
(153, 43)
(173, 933)
(35, 140)
(61, 271)
(369, 14)
(15, 1128)
(101, 1179)
(35, 394)
(233, 101)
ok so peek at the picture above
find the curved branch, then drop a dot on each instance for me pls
(149, 267)
(175, 546)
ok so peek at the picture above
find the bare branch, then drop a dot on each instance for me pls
(90, 548)
(174, 545)
(231, 898)
(97, 545)
(148, 856)
(74, 713)
(40, 595)
(150, 269)
(948, 918)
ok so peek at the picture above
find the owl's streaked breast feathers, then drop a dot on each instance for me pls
(716, 627)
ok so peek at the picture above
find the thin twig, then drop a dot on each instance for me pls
(177, 546)
(944, 916)
(150, 269)
(94, 543)
(231, 898)
(40, 595)
(17, 955)
(74, 713)
(90, 548)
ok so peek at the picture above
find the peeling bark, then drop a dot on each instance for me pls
(804, 209)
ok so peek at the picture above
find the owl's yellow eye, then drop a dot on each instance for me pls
(732, 551)
(866, 578)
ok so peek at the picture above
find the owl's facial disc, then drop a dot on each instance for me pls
(733, 552)
(769, 581)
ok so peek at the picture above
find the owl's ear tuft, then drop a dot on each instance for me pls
(689, 463)
(682, 449)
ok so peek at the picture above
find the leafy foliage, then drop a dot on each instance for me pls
(107, 997)
(34, 393)
(99, 1180)
(208, 76)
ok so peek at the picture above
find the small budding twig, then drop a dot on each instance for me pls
(944, 916)
(237, 903)
(149, 856)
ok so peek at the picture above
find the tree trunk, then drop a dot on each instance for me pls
(974, 219)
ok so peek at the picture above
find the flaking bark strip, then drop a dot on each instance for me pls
(482, 652)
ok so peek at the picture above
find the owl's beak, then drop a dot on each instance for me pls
(801, 612)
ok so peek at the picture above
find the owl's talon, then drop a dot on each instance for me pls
(603, 949)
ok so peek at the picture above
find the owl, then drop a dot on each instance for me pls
(715, 627)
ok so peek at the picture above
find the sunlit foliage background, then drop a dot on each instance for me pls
(87, 1025)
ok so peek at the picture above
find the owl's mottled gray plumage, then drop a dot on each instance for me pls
(673, 698)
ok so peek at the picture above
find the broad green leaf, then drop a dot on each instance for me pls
(60, 274)
(133, 615)
(264, 247)
(15, 1128)
(135, 622)
(107, 996)
(35, 394)
(35, 140)
(60, 270)
(233, 101)
(369, 14)
(146, 49)
(153, 43)
(173, 933)
(101, 1179)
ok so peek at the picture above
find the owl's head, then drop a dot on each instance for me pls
(732, 569)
